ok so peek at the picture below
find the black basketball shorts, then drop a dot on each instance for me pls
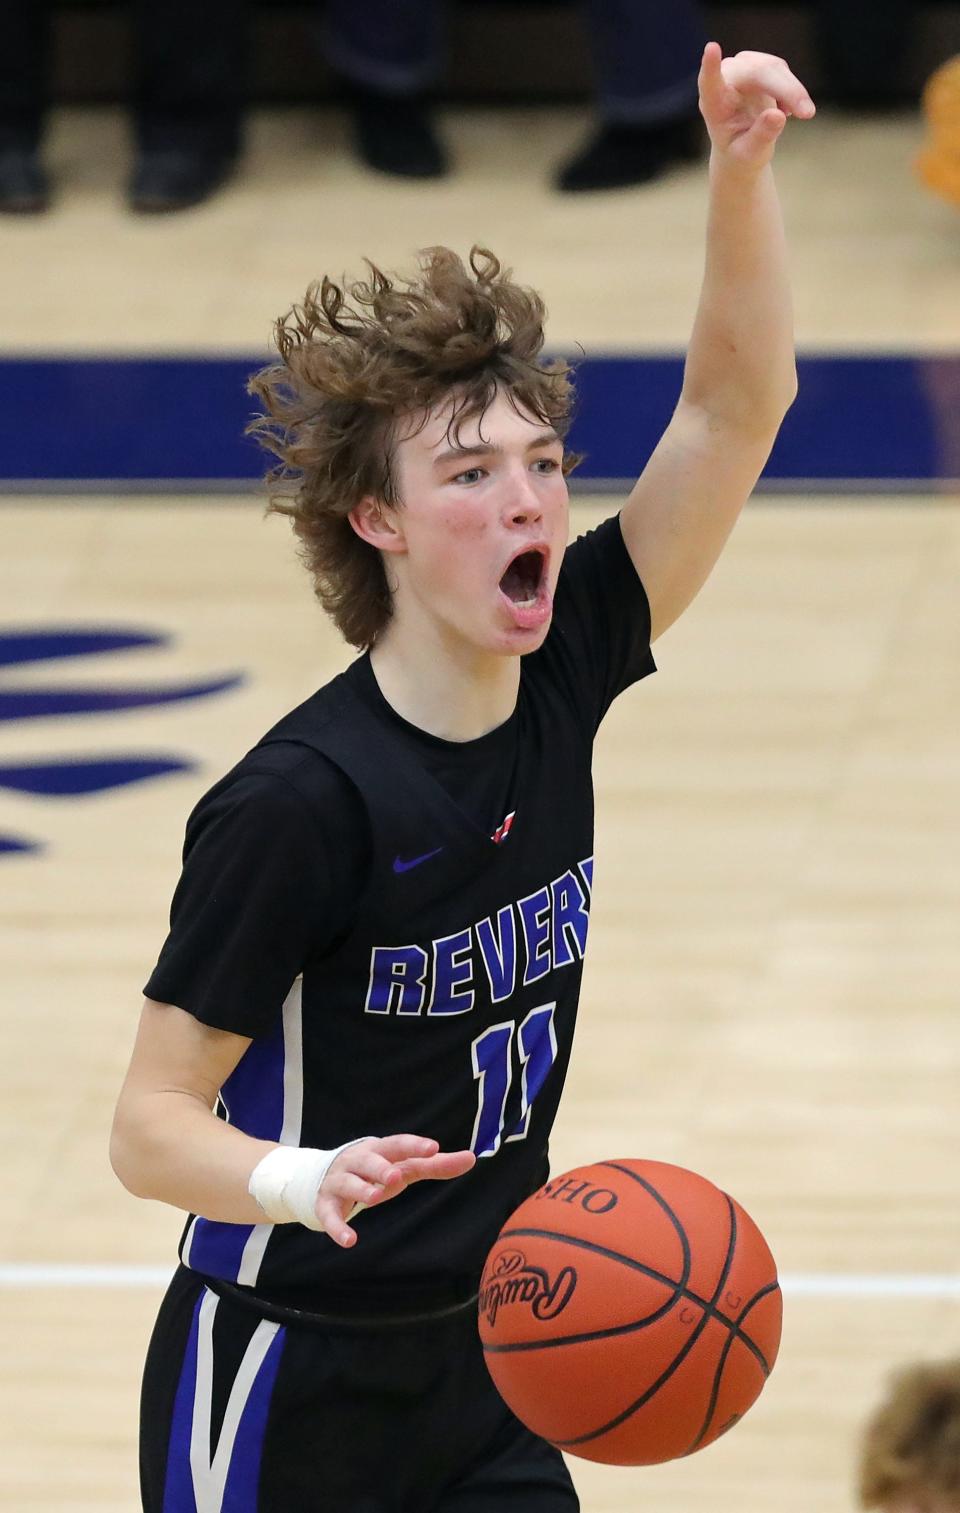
(246, 1414)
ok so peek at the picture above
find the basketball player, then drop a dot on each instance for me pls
(376, 942)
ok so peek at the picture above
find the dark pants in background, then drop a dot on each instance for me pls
(190, 59)
(646, 54)
(189, 68)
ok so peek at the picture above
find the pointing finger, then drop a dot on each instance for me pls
(711, 81)
(441, 1167)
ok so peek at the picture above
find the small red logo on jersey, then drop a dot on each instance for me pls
(502, 831)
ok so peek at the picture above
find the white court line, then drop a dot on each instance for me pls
(881, 1285)
(37, 1274)
(798, 1285)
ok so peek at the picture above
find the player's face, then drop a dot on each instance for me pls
(482, 528)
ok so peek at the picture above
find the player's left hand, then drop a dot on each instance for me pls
(745, 101)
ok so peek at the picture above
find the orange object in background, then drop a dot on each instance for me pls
(938, 165)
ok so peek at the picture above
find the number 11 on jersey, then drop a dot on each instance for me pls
(493, 1067)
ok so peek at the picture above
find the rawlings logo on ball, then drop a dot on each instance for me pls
(512, 1280)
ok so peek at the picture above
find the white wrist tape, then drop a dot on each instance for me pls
(286, 1182)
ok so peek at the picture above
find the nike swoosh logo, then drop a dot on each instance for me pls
(400, 865)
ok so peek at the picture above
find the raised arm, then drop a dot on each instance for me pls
(740, 374)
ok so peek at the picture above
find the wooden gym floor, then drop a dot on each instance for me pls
(771, 992)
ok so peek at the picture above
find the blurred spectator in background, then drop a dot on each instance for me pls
(910, 1453)
(189, 65)
(190, 79)
(390, 55)
(647, 59)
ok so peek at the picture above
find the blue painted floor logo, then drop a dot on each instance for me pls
(69, 777)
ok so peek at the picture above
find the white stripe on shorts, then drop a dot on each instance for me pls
(210, 1476)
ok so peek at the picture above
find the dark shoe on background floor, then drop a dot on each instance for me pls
(616, 157)
(24, 187)
(395, 134)
(172, 179)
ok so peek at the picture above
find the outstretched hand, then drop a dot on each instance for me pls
(745, 101)
(374, 1170)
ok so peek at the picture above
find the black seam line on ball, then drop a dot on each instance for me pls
(658, 1198)
(724, 1273)
(734, 1326)
(600, 1334)
(728, 1343)
(680, 1357)
(582, 1439)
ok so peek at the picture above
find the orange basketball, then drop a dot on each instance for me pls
(630, 1312)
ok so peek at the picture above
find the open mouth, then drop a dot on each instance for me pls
(523, 578)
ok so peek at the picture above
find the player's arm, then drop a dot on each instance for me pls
(168, 1144)
(740, 375)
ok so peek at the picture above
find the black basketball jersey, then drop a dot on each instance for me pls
(445, 1004)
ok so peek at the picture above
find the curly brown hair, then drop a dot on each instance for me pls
(349, 372)
(912, 1443)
